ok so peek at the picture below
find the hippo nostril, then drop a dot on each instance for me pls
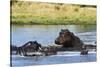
(57, 42)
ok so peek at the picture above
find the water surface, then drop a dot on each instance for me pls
(46, 34)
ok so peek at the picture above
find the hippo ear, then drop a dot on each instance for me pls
(61, 29)
(35, 42)
(67, 30)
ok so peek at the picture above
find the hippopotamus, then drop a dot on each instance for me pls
(31, 46)
(68, 40)
(84, 52)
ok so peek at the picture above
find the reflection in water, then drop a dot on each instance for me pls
(46, 34)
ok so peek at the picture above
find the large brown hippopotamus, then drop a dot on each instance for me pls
(68, 40)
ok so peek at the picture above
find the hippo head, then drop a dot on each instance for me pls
(65, 38)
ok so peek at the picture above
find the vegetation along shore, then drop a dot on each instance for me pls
(27, 12)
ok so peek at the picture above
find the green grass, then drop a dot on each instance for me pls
(49, 13)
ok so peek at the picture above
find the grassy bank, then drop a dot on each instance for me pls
(49, 13)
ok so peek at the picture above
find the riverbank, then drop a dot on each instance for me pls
(51, 14)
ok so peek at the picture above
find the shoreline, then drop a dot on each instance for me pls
(51, 24)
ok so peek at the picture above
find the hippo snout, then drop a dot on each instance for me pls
(57, 41)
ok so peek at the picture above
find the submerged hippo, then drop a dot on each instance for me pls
(29, 47)
(84, 52)
(68, 40)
